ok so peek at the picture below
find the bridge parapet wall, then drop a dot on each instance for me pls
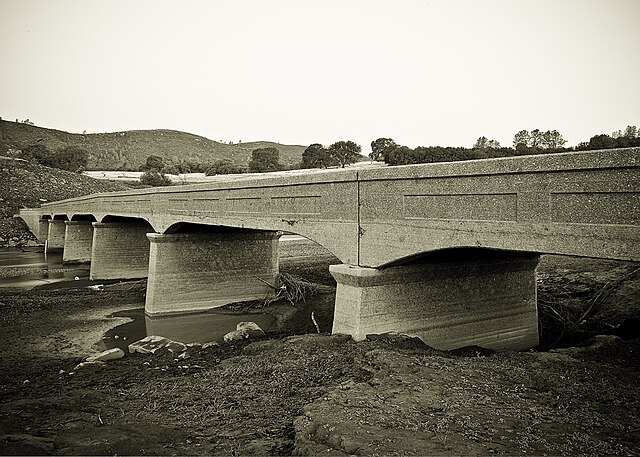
(585, 204)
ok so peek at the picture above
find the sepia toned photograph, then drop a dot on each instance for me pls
(320, 227)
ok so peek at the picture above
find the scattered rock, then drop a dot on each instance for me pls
(93, 364)
(109, 354)
(243, 331)
(153, 343)
(400, 340)
(183, 355)
(210, 344)
(251, 327)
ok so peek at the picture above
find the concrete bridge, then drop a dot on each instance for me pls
(445, 251)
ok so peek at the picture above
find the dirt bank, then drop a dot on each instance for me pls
(320, 394)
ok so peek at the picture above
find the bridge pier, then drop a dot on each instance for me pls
(55, 235)
(43, 230)
(78, 241)
(487, 300)
(120, 250)
(190, 272)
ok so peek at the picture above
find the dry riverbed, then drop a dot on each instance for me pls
(296, 391)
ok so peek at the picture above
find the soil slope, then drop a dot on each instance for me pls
(28, 185)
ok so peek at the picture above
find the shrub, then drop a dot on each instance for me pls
(154, 178)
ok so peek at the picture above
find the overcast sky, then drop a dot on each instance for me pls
(423, 72)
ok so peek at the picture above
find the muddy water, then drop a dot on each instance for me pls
(186, 328)
(30, 267)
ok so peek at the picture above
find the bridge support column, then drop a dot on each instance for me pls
(488, 301)
(55, 235)
(43, 230)
(78, 240)
(190, 272)
(120, 250)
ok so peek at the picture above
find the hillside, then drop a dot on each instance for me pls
(128, 150)
(27, 185)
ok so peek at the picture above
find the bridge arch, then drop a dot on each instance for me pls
(83, 218)
(455, 254)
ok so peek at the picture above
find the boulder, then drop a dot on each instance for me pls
(243, 331)
(153, 343)
(109, 354)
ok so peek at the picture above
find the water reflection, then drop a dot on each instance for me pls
(186, 328)
(26, 268)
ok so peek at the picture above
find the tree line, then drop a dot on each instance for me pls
(524, 143)
(263, 160)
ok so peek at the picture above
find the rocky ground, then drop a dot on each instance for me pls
(298, 392)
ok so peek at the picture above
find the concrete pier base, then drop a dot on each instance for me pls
(488, 301)
(120, 250)
(197, 271)
(55, 235)
(43, 231)
(78, 240)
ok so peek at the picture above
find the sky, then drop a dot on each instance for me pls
(422, 72)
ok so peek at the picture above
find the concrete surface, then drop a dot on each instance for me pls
(487, 299)
(78, 242)
(120, 250)
(193, 272)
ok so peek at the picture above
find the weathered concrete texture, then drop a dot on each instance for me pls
(585, 204)
(78, 240)
(55, 236)
(489, 302)
(42, 232)
(120, 250)
(198, 271)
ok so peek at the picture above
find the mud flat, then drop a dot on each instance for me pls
(299, 392)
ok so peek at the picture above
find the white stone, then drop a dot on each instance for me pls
(243, 331)
(109, 354)
(153, 343)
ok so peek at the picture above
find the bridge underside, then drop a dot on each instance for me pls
(450, 299)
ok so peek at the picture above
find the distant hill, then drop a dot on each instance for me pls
(128, 150)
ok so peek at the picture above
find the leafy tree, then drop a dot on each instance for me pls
(344, 152)
(316, 156)
(602, 141)
(553, 140)
(154, 162)
(631, 131)
(400, 155)
(381, 147)
(484, 143)
(38, 153)
(521, 139)
(153, 177)
(534, 142)
(224, 167)
(264, 160)
(71, 158)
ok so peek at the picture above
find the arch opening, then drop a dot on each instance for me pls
(125, 220)
(457, 254)
(189, 227)
(83, 218)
